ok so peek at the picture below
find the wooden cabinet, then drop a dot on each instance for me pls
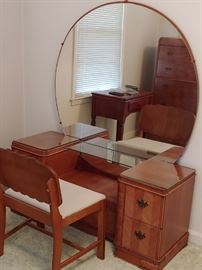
(154, 203)
(175, 82)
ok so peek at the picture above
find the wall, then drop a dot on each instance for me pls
(142, 29)
(11, 75)
(45, 26)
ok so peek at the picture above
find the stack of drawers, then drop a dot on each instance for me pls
(141, 221)
(153, 216)
(175, 82)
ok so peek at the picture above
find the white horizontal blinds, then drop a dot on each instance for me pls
(97, 51)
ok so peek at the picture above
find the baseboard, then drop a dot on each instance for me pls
(195, 237)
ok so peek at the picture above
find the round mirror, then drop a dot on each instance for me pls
(129, 47)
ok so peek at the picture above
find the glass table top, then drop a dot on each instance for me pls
(108, 150)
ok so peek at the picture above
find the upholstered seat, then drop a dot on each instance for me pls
(160, 128)
(142, 147)
(74, 198)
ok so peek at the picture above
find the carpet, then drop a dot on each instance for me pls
(29, 249)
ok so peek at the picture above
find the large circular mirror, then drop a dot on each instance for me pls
(121, 44)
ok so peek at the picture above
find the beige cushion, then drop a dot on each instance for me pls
(142, 147)
(74, 198)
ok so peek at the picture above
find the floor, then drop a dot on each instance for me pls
(31, 250)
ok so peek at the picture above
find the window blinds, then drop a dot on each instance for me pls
(97, 50)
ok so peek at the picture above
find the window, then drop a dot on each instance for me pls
(97, 51)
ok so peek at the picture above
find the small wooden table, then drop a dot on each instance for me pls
(118, 107)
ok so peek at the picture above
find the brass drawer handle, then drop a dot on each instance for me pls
(139, 235)
(142, 203)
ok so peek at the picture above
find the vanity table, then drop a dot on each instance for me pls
(118, 107)
(148, 201)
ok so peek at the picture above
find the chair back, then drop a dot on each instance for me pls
(27, 175)
(166, 123)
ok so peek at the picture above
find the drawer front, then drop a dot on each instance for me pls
(143, 206)
(175, 93)
(107, 107)
(139, 237)
(136, 105)
(175, 62)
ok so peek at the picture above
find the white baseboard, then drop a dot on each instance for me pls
(195, 237)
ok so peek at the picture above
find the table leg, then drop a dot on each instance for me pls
(93, 122)
(119, 130)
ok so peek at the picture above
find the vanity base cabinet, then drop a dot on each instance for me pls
(152, 223)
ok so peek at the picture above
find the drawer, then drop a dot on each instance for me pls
(175, 62)
(175, 93)
(108, 107)
(140, 238)
(136, 105)
(143, 206)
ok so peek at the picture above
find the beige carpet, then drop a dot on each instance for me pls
(29, 249)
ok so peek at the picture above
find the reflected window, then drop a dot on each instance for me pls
(98, 50)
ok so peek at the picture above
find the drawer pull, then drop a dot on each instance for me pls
(170, 53)
(139, 235)
(142, 203)
(168, 68)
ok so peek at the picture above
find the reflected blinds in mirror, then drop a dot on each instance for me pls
(97, 50)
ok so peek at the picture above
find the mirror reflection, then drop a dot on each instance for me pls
(123, 48)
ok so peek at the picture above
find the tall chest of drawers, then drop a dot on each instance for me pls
(175, 82)
(153, 214)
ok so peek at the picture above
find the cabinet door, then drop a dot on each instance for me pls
(139, 237)
(143, 206)
(175, 63)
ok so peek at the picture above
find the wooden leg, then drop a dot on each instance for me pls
(57, 248)
(101, 232)
(93, 123)
(119, 130)
(2, 226)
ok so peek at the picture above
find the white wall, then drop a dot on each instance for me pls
(11, 83)
(45, 26)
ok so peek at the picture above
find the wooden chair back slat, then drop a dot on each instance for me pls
(27, 175)
(166, 123)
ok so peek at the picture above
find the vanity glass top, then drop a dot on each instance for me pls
(108, 150)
